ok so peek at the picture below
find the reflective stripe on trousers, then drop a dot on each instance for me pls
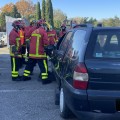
(14, 72)
(26, 73)
(45, 75)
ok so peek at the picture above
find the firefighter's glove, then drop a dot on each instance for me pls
(27, 42)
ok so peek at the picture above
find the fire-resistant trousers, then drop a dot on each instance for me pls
(15, 65)
(42, 63)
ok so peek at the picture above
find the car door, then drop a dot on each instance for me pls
(74, 54)
(60, 54)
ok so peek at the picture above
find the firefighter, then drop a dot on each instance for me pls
(15, 50)
(63, 30)
(38, 42)
(28, 32)
(52, 36)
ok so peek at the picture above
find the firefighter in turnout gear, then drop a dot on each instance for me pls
(52, 36)
(63, 30)
(15, 50)
(28, 30)
(38, 42)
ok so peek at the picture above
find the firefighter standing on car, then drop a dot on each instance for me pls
(63, 30)
(38, 42)
(15, 50)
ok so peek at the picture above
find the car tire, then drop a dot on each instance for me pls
(64, 110)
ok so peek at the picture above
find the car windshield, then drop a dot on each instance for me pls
(107, 44)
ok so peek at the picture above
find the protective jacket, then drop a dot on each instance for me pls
(61, 33)
(38, 41)
(52, 37)
(14, 40)
(28, 31)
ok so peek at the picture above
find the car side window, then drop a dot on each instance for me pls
(76, 44)
(65, 41)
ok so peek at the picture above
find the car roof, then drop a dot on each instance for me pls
(95, 28)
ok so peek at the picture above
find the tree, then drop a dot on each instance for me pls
(7, 8)
(49, 12)
(15, 12)
(59, 17)
(25, 7)
(38, 11)
(43, 9)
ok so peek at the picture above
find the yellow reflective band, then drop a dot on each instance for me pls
(50, 35)
(43, 77)
(14, 75)
(17, 39)
(26, 71)
(37, 35)
(44, 74)
(45, 65)
(37, 45)
(26, 74)
(14, 72)
(35, 55)
(13, 64)
(17, 42)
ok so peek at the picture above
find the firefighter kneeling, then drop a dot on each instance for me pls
(38, 41)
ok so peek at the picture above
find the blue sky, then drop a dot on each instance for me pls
(83, 8)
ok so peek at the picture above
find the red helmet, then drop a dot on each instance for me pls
(40, 22)
(63, 25)
(16, 23)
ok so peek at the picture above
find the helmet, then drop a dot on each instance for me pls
(17, 24)
(40, 22)
(22, 23)
(33, 22)
(63, 27)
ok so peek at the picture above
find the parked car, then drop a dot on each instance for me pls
(86, 65)
(3, 39)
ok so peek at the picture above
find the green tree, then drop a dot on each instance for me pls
(43, 9)
(59, 17)
(15, 12)
(38, 11)
(49, 12)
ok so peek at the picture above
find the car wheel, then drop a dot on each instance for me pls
(64, 110)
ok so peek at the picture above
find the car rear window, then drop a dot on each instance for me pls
(106, 44)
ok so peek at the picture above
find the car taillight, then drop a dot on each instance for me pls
(80, 77)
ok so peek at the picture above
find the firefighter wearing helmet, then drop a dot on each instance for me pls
(52, 36)
(63, 30)
(38, 42)
(15, 50)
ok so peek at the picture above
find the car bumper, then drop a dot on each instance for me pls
(104, 101)
(90, 102)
